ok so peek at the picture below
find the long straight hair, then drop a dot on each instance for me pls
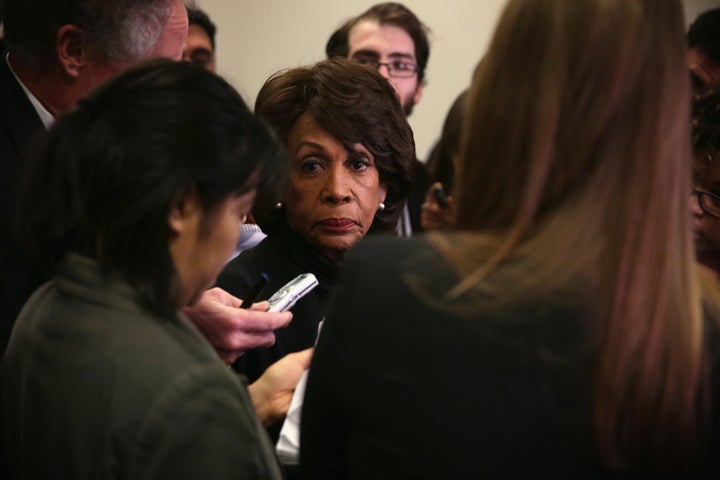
(574, 168)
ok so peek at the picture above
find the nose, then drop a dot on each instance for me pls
(384, 70)
(337, 186)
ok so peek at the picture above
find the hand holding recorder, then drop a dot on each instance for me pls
(232, 330)
(437, 211)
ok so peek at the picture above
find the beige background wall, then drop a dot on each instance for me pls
(258, 37)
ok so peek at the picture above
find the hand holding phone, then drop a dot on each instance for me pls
(440, 196)
(294, 290)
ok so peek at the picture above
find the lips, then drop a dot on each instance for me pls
(337, 225)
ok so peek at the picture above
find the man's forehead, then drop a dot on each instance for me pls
(383, 39)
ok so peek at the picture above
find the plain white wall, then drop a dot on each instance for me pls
(257, 38)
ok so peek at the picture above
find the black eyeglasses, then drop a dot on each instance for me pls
(395, 68)
(709, 202)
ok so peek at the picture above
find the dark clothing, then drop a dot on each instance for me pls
(20, 129)
(96, 385)
(421, 185)
(407, 384)
(282, 255)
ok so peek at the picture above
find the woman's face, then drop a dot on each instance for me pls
(202, 242)
(333, 194)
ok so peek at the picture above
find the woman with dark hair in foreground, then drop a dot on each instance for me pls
(137, 203)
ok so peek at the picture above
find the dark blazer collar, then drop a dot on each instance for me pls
(17, 115)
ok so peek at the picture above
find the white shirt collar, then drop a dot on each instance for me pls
(45, 116)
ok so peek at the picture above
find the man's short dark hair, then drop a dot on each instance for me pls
(119, 30)
(704, 35)
(388, 13)
(201, 19)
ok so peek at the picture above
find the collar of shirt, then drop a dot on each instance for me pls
(45, 116)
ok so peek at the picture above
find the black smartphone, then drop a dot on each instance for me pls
(440, 196)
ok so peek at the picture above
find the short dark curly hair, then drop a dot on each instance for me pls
(355, 104)
(706, 126)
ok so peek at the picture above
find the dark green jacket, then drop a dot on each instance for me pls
(95, 385)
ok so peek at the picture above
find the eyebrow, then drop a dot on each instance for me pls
(373, 53)
(200, 51)
(308, 143)
(360, 149)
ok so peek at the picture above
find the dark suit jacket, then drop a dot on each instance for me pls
(20, 129)
(406, 383)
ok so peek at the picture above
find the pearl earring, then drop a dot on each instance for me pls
(279, 205)
(381, 207)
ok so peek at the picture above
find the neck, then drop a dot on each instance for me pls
(335, 256)
(55, 90)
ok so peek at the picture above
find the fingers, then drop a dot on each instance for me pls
(303, 357)
(430, 195)
(257, 319)
(221, 297)
(237, 344)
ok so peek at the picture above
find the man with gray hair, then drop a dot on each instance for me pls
(55, 52)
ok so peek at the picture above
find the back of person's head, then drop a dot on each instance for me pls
(118, 30)
(113, 167)
(574, 164)
(441, 162)
(200, 18)
(388, 13)
(355, 104)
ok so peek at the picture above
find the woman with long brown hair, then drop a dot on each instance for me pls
(560, 330)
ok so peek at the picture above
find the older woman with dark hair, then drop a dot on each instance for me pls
(136, 203)
(350, 157)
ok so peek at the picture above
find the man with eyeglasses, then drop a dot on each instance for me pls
(391, 38)
(705, 190)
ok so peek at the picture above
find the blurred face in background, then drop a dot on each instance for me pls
(198, 48)
(334, 193)
(370, 42)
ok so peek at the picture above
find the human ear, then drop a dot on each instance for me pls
(382, 192)
(184, 212)
(70, 49)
